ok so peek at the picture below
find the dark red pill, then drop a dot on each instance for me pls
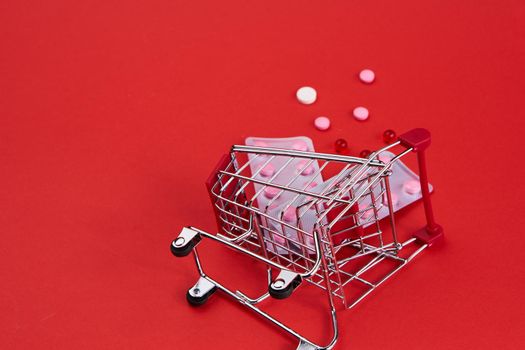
(341, 145)
(365, 153)
(389, 136)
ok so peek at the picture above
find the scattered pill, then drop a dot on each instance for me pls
(389, 136)
(306, 95)
(367, 76)
(322, 123)
(301, 167)
(267, 171)
(271, 192)
(290, 214)
(365, 153)
(412, 187)
(300, 146)
(341, 145)
(360, 113)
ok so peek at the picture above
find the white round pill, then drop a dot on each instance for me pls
(360, 113)
(322, 123)
(367, 76)
(306, 95)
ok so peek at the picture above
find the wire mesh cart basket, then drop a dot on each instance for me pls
(330, 235)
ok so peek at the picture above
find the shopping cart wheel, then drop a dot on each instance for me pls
(284, 284)
(185, 242)
(200, 292)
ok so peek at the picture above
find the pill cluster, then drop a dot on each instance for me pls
(277, 172)
(308, 95)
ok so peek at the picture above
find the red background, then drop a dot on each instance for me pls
(113, 113)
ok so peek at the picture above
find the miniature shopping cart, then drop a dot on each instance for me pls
(331, 235)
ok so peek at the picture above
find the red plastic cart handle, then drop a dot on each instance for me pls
(419, 140)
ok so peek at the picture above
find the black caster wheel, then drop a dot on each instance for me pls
(198, 300)
(180, 248)
(278, 291)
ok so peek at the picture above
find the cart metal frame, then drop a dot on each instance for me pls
(338, 250)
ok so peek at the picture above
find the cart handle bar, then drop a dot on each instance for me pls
(301, 154)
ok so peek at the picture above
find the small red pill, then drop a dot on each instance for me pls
(365, 153)
(389, 136)
(341, 145)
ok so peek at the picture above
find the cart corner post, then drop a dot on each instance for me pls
(419, 140)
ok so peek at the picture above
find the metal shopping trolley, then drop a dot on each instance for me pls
(332, 235)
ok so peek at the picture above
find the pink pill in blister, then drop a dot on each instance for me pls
(278, 239)
(367, 76)
(367, 214)
(395, 199)
(309, 241)
(412, 187)
(300, 146)
(322, 123)
(273, 205)
(301, 168)
(312, 185)
(385, 158)
(271, 192)
(290, 214)
(360, 113)
(267, 171)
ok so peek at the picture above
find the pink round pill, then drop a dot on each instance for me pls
(301, 167)
(278, 239)
(312, 185)
(290, 214)
(271, 192)
(395, 199)
(367, 214)
(360, 113)
(273, 205)
(310, 241)
(300, 146)
(322, 123)
(367, 76)
(267, 171)
(412, 187)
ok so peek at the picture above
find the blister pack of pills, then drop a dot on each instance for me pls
(405, 189)
(280, 204)
(284, 207)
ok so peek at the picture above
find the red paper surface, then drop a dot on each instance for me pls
(112, 114)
